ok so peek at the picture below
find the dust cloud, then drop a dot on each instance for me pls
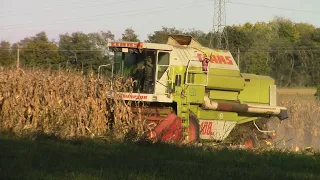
(301, 130)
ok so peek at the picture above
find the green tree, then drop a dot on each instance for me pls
(161, 36)
(6, 56)
(129, 35)
(38, 51)
(101, 39)
(77, 51)
(257, 62)
(85, 52)
(285, 28)
(284, 61)
(238, 37)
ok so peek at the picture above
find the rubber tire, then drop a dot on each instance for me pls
(194, 135)
(242, 134)
(250, 140)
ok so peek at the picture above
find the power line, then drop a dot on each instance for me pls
(134, 13)
(45, 7)
(73, 8)
(272, 7)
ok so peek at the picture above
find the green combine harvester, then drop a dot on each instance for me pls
(195, 93)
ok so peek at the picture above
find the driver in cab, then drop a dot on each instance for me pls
(145, 68)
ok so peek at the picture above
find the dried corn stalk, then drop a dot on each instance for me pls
(64, 104)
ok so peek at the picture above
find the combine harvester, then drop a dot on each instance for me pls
(194, 93)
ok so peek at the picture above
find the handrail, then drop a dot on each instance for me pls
(187, 75)
(105, 65)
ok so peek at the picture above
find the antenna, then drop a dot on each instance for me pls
(219, 23)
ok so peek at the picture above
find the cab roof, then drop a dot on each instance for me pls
(140, 45)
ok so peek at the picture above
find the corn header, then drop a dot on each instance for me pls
(195, 93)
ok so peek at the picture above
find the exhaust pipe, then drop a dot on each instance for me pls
(280, 112)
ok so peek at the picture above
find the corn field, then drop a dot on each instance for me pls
(64, 104)
(68, 104)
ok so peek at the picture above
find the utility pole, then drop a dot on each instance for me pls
(219, 23)
(18, 57)
(238, 57)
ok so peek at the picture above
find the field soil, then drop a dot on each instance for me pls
(295, 91)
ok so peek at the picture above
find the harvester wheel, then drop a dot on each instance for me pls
(193, 128)
(249, 141)
(246, 136)
(256, 140)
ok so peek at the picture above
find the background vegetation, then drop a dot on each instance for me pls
(287, 51)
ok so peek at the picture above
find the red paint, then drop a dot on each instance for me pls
(140, 45)
(192, 132)
(131, 96)
(221, 60)
(206, 128)
(248, 143)
(266, 108)
(215, 59)
(174, 131)
(127, 44)
(229, 60)
(168, 129)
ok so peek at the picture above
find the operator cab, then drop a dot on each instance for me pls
(138, 65)
(145, 65)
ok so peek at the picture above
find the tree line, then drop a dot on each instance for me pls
(287, 51)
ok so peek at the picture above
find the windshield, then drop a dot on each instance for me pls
(138, 65)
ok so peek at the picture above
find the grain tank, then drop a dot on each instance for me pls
(195, 93)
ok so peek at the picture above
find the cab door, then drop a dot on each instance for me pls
(162, 73)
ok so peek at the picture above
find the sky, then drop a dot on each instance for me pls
(22, 18)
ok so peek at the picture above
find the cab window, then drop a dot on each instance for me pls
(163, 62)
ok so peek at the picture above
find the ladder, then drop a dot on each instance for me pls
(185, 106)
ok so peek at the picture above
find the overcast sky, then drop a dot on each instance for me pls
(21, 18)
